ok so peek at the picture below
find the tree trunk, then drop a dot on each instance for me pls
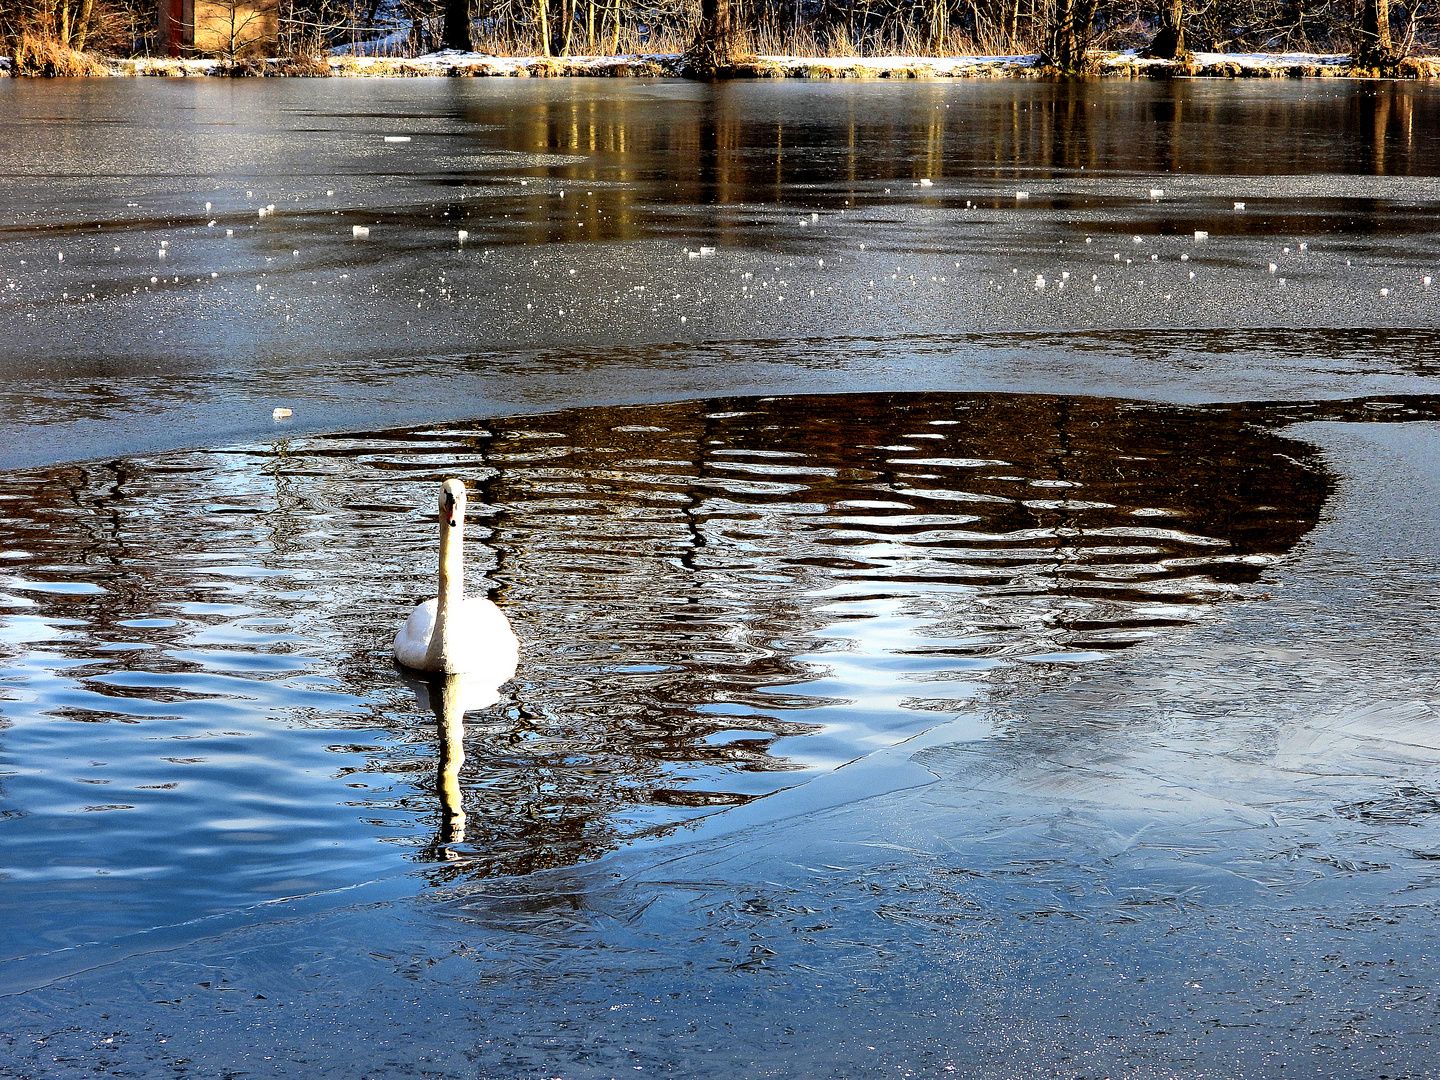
(1068, 35)
(1169, 43)
(82, 24)
(1375, 46)
(937, 24)
(714, 46)
(456, 34)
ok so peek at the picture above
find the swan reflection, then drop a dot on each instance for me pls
(450, 697)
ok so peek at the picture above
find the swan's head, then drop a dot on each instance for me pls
(452, 503)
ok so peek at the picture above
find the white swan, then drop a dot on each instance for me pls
(453, 632)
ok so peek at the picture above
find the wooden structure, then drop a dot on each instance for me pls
(226, 28)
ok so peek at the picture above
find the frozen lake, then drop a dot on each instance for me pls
(835, 266)
(972, 543)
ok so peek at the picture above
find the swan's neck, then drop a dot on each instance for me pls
(452, 588)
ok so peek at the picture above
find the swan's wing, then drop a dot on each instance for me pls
(488, 647)
(412, 643)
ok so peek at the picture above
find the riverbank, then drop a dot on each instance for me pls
(1127, 64)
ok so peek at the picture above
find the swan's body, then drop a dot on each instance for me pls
(478, 634)
(452, 632)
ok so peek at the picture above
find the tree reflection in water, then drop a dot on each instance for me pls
(716, 599)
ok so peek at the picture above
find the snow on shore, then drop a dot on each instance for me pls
(1212, 64)
(351, 61)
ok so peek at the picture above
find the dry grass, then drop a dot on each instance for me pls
(821, 43)
(628, 42)
(308, 63)
(806, 40)
(33, 55)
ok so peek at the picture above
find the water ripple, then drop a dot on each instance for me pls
(717, 599)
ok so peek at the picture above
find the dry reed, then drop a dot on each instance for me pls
(34, 55)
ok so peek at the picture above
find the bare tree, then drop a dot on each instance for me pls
(66, 22)
(1169, 40)
(714, 46)
(1374, 47)
(1068, 34)
(231, 29)
(937, 24)
(713, 33)
(456, 34)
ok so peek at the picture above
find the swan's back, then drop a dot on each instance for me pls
(481, 642)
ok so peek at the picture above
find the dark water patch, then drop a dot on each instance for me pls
(718, 599)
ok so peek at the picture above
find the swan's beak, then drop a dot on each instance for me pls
(447, 513)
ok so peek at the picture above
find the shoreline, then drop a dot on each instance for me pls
(1127, 64)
